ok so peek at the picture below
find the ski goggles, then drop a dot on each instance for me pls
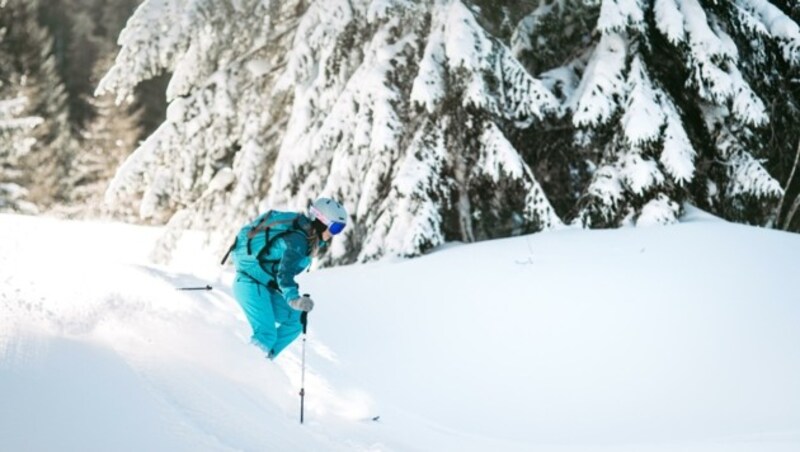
(334, 227)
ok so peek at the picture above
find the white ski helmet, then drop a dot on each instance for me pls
(330, 213)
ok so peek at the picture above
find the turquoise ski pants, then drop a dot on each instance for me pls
(275, 324)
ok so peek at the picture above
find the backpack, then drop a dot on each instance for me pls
(255, 238)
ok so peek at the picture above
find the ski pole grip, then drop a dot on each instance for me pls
(304, 320)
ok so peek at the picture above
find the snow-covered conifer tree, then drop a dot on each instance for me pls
(398, 108)
(15, 143)
(209, 164)
(15, 135)
(29, 47)
(664, 103)
(414, 145)
(766, 35)
(109, 139)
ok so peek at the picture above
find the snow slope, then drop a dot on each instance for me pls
(680, 338)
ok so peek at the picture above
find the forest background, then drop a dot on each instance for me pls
(486, 119)
(53, 54)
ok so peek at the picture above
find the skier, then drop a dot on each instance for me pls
(268, 253)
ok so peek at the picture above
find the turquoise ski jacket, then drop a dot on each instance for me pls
(289, 252)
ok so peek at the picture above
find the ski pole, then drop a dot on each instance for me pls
(304, 322)
(207, 287)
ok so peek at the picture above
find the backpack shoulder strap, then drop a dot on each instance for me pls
(294, 228)
(263, 225)
(261, 221)
(228, 253)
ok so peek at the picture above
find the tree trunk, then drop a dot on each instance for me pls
(464, 206)
(792, 211)
(789, 216)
